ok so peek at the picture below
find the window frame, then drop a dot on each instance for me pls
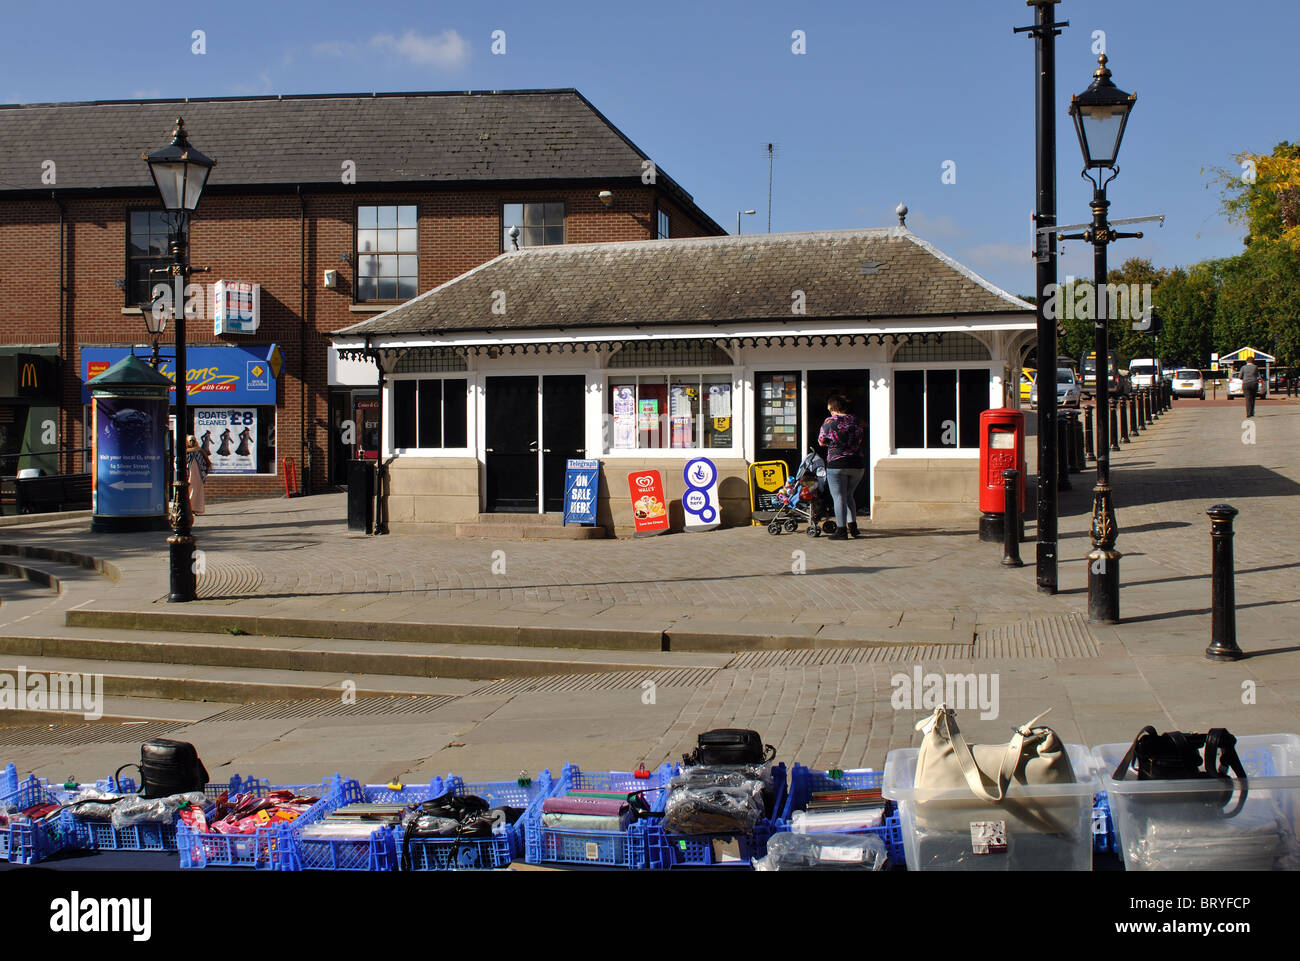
(956, 367)
(164, 259)
(356, 254)
(501, 221)
(667, 225)
(668, 375)
(389, 412)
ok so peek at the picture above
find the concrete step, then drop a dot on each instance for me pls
(43, 576)
(227, 684)
(531, 519)
(528, 530)
(118, 709)
(344, 656)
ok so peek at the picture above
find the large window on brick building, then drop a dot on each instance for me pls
(539, 224)
(388, 256)
(146, 249)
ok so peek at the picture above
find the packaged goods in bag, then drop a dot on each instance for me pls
(823, 852)
(1195, 836)
(718, 799)
(813, 822)
(153, 810)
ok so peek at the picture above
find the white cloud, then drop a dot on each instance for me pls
(445, 51)
(989, 256)
(934, 228)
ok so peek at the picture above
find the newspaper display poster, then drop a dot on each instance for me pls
(581, 484)
(229, 437)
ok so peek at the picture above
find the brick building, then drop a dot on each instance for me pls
(336, 207)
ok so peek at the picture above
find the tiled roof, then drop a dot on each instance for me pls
(866, 274)
(471, 136)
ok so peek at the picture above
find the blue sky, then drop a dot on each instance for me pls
(867, 117)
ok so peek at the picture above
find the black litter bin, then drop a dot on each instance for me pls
(361, 496)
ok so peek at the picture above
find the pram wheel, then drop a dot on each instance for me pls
(774, 527)
(814, 530)
(791, 526)
(828, 527)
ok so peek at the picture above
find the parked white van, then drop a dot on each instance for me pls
(1145, 371)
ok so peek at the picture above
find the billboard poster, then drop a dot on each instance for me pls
(229, 437)
(700, 502)
(130, 456)
(581, 483)
(649, 507)
(624, 416)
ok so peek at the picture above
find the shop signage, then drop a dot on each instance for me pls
(129, 456)
(700, 502)
(228, 435)
(766, 478)
(236, 307)
(648, 415)
(581, 484)
(649, 507)
(231, 374)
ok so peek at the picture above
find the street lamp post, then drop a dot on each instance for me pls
(155, 321)
(1100, 114)
(738, 213)
(180, 173)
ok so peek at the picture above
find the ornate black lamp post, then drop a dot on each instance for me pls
(1100, 114)
(180, 173)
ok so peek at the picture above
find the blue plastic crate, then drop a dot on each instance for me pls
(8, 779)
(641, 847)
(805, 781)
(268, 848)
(147, 836)
(25, 841)
(374, 852)
(697, 851)
(458, 854)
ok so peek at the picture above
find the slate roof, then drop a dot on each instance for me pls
(845, 274)
(392, 137)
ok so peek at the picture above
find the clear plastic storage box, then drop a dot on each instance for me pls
(1186, 826)
(1036, 828)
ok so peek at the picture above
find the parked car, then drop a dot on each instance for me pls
(1235, 389)
(1026, 383)
(1188, 383)
(1068, 393)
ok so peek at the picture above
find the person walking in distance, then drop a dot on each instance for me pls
(1250, 385)
(842, 436)
(199, 465)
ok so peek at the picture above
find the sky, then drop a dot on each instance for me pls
(868, 103)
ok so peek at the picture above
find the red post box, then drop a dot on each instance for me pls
(1002, 447)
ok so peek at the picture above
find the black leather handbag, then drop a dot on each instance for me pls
(729, 745)
(1175, 756)
(168, 767)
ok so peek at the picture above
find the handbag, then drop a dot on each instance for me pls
(1175, 756)
(729, 746)
(168, 767)
(1033, 756)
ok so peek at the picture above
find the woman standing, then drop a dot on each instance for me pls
(842, 435)
(199, 465)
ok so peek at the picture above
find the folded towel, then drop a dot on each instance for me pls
(587, 822)
(607, 807)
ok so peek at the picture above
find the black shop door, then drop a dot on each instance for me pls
(510, 443)
(854, 385)
(563, 433)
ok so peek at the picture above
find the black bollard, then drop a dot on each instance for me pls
(1143, 420)
(1076, 442)
(1114, 424)
(1080, 452)
(1123, 421)
(1062, 455)
(1133, 416)
(1011, 533)
(1223, 599)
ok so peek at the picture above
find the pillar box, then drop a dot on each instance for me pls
(1002, 447)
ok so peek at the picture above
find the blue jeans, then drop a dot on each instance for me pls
(842, 482)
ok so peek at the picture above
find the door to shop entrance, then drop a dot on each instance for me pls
(532, 426)
(852, 384)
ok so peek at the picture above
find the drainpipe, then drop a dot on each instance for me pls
(305, 452)
(65, 455)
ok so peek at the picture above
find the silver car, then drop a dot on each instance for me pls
(1068, 391)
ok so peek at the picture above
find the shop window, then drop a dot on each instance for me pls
(540, 224)
(430, 413)
(388, 257)
(146, 250)
(664, 225)
(238, 440)
(939, 408)
(678, 411)
(954, 345)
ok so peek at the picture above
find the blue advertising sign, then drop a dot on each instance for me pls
(581, 483)
(700, 501)
(130, 452)
(232, 374)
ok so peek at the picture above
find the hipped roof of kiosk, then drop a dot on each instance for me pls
(882, 274)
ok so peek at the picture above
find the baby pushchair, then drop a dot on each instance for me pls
(809, 503)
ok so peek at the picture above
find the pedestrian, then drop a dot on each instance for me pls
(199, 466)
(842, 436)
(1250, 385)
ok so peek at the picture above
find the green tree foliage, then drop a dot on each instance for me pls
(1263, 195)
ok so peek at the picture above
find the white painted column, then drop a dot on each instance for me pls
(879, 402)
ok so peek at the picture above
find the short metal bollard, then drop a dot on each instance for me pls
(1087, 433)
(1223, 596)
(1123, 421)
(1011, 519)
(1076, 443)
(1063, 455)
(1144, 421)
(1133, 416)
(1114, 426)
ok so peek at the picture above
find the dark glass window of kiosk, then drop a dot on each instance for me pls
(430, 413)
(939, 408)
(909, 408)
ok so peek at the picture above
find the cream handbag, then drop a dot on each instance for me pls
(1034, 756)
